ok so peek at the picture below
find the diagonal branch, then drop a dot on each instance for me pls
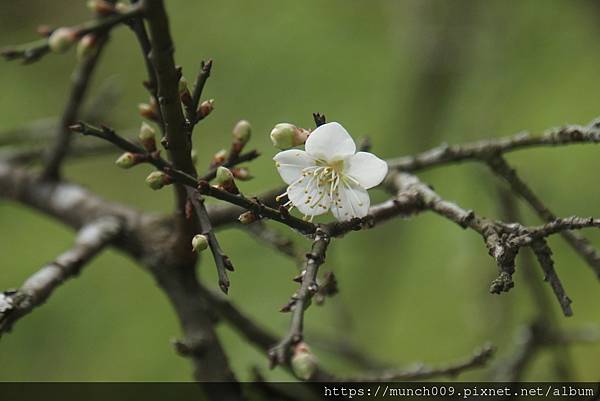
(579, 243)
(222, 261)
(80, 82)
(280, 354)
(90, 240)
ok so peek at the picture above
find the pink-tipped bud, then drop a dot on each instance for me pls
(304, 363)
(219, 158)
(147, 137)
(101, 7)
(62, 39)
(242, 132)
(205, 108)
(286, 136)
(87, 46)
(148, 111)
(247, 217)
(241, 173)
(127, 160)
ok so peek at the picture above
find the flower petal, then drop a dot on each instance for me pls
(330, 142)
(366, 168)
(310, 198)
(350, 201)
(290, 164)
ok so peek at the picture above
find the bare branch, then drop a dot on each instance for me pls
(90, 240)
(421, 372)
(477, 151)
(280, 354)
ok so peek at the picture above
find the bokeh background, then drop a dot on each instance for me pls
(410, 75)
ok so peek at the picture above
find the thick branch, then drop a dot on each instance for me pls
(90, 240)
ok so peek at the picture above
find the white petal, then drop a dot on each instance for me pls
(290, 164)
(310, 199)
(330, 142)
(351, 200)
(366, 168)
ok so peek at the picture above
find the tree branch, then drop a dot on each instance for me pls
(281, 353)
(90, 240)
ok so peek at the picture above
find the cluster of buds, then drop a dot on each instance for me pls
(149, 110)
(224, 180)
(87, 46)
(62, 39)
(158, 179)
(199, 243)
(286, 136)
(304, 363)
(204, 109)
(147, 137)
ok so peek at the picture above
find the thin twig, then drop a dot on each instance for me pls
(281, 353)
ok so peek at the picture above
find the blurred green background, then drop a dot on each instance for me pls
(410, 75)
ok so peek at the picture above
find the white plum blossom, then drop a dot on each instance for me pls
(329, 174)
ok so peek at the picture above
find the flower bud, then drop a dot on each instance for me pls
(242, 132)
(205, 108)
(61, 39)
(304, 363)
(285, 136)
(194, 156)
(148, 111)
(184, 93)
(224, 180)
(241, 173)
(247, 217)
(122, 7)
(219, 158)
(223, 175)
(158, 179)
(199, 243)
(87, 46)
(126, 160)
(101, 7)
(147, 137)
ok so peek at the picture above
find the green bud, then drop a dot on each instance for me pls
(157, 180)
(242, 132)
(61, 39)
(126, 160)
(304, 363)
(183, 86)
(223, 176)
(199, 243)
(86, 47)
(147, 137)
(194, 156)
(285, 136)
